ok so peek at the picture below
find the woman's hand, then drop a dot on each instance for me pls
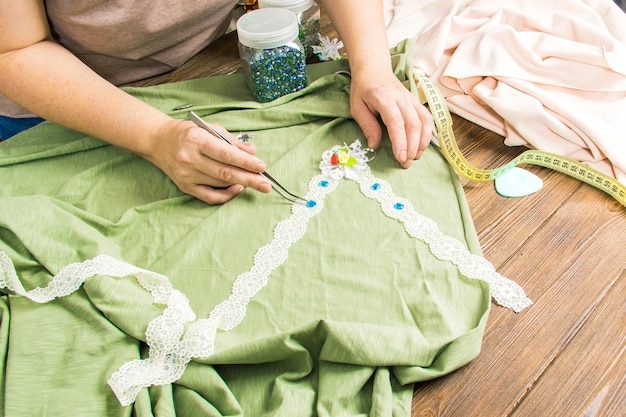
(205, 166)
(408, 122)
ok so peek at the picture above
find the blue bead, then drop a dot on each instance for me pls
(375, 186)
(323, 183)
(311, 204)
(398, 206)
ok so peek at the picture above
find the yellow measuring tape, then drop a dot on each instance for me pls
(450, 150)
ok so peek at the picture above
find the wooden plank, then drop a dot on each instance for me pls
(589, 376)
(565, 267)
(482, 147)
(495, 216)
(503, 223)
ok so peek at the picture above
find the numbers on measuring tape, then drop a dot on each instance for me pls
(452, 153)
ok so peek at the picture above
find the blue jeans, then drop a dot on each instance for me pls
(10, 126)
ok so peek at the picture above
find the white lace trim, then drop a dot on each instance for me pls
(505, 292)
(166, 362)
(171, 348)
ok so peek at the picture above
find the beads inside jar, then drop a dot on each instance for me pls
(271, 53)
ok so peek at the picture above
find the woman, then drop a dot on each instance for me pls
(62, 59)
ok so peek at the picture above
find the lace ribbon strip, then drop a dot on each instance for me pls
(171, 348)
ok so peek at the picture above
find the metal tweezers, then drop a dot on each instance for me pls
(280, 189)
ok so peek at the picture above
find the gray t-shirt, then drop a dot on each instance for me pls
(129, 40)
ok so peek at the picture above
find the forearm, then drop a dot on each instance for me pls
(360, 25)
(49, 81)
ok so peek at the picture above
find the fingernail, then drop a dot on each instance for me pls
(260, 167)
(402, 156)
(238, 188)
(265, 187)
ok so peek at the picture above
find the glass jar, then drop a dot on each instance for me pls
(271, 54)
(308, 14)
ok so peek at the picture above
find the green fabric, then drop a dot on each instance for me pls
(358, 312)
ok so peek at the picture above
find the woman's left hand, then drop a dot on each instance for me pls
(376, 97)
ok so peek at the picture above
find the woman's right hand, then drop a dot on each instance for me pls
(205, 166)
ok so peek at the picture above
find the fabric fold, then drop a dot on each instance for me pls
(546, 74)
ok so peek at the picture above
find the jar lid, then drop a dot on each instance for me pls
(296, 6)
(267, 28)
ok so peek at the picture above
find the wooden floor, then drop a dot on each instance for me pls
(566, 246)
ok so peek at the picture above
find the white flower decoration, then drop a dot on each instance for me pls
(345, 161)
(329, 50)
